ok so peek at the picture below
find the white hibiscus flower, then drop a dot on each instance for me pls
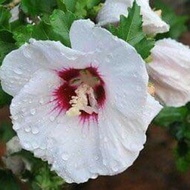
(85, 110)
(112, 9)
(169, 72)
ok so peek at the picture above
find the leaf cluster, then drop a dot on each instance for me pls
(40, 176)
(178, 23)
(130, 30)
(177, 122)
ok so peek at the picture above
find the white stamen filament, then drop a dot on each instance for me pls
(80, 101)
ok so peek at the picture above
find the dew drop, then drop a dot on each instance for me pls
(52, 99)
(32, 111)
(105, 162)
(16, 126)
(35, 130)
(35, 145)
(96, 158)
(115, 168)
(23, 109)
(26, 145)
(94, 176)
(27, 129)
(26, 53)
(15, 117)
(41, 101)
(52, 118)
(18, 71)
(65, 156)
(123, 136)
(13, 105)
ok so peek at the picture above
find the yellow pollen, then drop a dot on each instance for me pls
(84, 95)
(151, 89)
(159, 12)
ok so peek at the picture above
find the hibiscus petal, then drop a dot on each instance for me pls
(120, 65)
(112, 9)
(122, 138)
(152, 22)
(20, 65)
(65, 142)
(32, 113)
(169, 71)
(151, 109)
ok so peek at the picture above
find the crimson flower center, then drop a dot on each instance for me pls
(82, 92)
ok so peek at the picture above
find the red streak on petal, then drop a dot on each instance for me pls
(64, 93)
(69, 74)
(86, 118)
(100, 95)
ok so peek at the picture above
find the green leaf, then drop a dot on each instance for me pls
(5, 48)
(169, 115)
(6, 132)
(70, 5)
(2, 1)
(182, 154)
(56, 27)
(61, 23)
(130, 30)
(4, 18)
(87, 8)
(41, 177)
(177, 23)
(37, 7)
(8, 181)
(5, 99)
(22, 34)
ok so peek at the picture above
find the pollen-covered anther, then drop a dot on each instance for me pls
(159, 12)
(151, 89)
(83, 101)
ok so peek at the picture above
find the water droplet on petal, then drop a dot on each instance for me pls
(96, 158)
(94, 176)
(115, 168)
(16, 126)
(23, 109)
(105, 162)
(27, 129)
(52, 99)
(35, 130)
(15, 117)
(26, 145)
(52, 118)
(41, 101)
(65, 156)
(32, 111)
(18, 71)
(26, 53)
